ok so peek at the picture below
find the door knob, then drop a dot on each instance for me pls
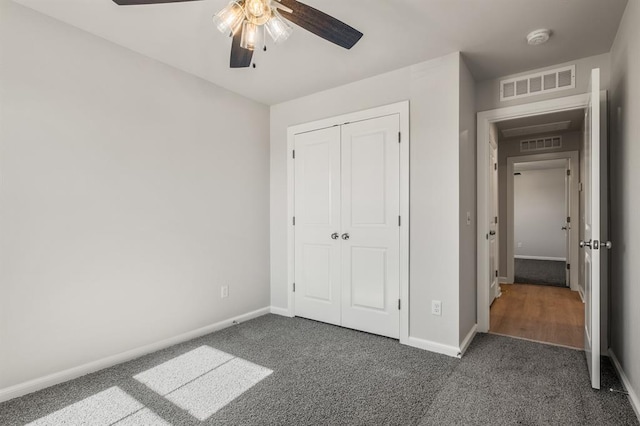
(345, 236)
(335, 236)
(492, 232)
(606, 244)
(584, 244)
(564, 228)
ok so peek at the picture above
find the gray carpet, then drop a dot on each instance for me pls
(541, 272)
(328, 375)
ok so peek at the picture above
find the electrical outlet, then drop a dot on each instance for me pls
(224, 291)
(436, 307)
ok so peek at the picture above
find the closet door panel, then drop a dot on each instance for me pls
(317, 217)
(370, 229)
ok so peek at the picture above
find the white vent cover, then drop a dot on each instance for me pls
(535, 84)
(541, 144)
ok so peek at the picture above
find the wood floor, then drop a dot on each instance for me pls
(542, 313)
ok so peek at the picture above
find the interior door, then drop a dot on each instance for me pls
(592, 231)
(493, 225)
(567, 225)
(317, 225)
(370, 235)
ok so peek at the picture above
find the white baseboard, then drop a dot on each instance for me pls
(558, 259)
(633, 397)
(504, 280)
(81, 370)
(467, 340)
(439, 348)
(281, 311)
(581, 292)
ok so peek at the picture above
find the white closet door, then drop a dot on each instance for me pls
(370, 230)
(317, 218)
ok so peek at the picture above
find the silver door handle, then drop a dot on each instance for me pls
(584, 244)
(335, 236)
(492, 232)
(564, 228)
(606, 244)
(345, 236)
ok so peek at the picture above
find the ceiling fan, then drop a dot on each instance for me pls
(246, 21)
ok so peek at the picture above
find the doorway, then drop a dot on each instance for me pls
(542, 222)
(538, 202)
(593, 244)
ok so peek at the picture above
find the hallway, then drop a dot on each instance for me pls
(541, 313)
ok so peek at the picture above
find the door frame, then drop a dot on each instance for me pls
(402, 110)
(574, 166)
(485, 119)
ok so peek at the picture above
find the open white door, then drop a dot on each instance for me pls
(567, 225)
(595, 151)
(493, 225)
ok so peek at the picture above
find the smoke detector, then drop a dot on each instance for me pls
(537, 37)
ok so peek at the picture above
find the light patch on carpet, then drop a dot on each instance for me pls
(180, 370)
(206, 395)
(104, 408)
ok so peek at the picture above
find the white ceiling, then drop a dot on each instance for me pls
(397, 33)
(574, 117)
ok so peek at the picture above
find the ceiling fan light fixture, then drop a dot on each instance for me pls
(256, 8)
(252, 36)
(278, 28)
(229, 19)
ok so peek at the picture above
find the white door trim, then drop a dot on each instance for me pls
(485, 119)
(574, 166)
(402, 109)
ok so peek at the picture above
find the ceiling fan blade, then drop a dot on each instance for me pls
(240, 57)
(321, 24)
(135, 2)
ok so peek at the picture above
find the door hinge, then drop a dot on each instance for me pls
(399, 137)
(294, 221)
(398, 304)
(294, 287)
(568, 266)
(496, 219)
(495, 166)
(399, 221)
(568, 219)
(293, 154)
(568, 172)
(496, 273)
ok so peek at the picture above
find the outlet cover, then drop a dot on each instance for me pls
(436, 307)
(224, 291)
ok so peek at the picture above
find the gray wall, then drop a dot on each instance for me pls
(510, 147)
(130, 193)
(467, 161)
(432, 89)
(625, 195)
(488, 91)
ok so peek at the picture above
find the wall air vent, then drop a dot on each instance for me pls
(541, 144)
(535, 84)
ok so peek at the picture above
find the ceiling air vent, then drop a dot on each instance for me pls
(534, 84)
(541, 144)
